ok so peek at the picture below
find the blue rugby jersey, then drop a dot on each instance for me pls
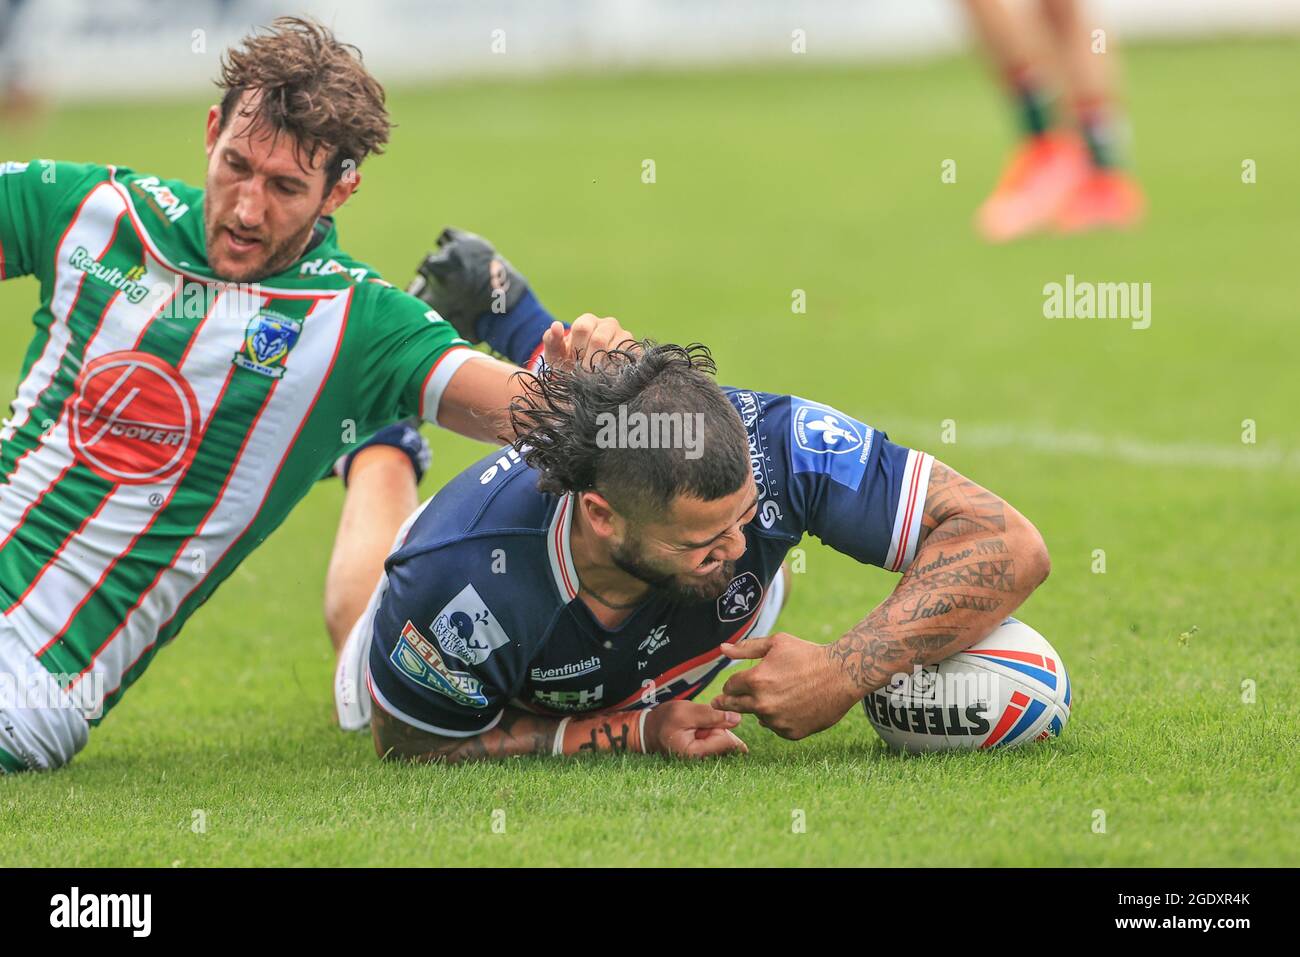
(480, 607)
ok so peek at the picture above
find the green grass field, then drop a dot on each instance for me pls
(825, 180)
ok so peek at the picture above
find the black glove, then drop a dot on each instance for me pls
(465, 279)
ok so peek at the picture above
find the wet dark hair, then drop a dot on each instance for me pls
(565, 410)
(310, 86)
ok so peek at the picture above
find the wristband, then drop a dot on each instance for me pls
(558, 747)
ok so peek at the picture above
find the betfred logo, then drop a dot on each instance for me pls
(134, 418)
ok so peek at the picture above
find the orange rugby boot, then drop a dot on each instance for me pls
(1042, 173)
(1106, 199)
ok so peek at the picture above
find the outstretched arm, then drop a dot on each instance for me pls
(683, 728)
(978, 560)
(476, 399)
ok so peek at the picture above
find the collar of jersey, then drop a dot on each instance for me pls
(558, 535)
(322, 245)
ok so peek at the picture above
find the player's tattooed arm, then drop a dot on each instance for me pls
(977, 560)
(518, 733)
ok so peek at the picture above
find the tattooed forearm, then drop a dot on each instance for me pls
(518, 732)
(977, 560)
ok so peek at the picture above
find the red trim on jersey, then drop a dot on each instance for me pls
(904, 533)
(534, 357)
(672, 674)
(2, 259)
(194, 336)
(560, 550)
(145, 239)
(428, 376)
(266, 400)
(34, 502)
(113, 488)
(338, 346)
(49, 563)
(40, 442)
(58, 635)
(67, 320)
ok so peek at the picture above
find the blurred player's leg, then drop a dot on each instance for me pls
(1108, 195)
(1048, 164)
(381, 476)
(18, 102)
(351, 700)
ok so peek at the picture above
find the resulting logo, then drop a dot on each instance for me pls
(741, 598)
(466, 629)
(129, 283)
(134, 418)
(821, 431)
(418, 658)
(267, 342)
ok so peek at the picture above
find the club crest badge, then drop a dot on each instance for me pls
(741, 599)
(267, 342)
(825, 440)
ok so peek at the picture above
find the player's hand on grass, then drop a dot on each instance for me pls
(794, 690)
(466, 278)
(691, 729)
(587, 337)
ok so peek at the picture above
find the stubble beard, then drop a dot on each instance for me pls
(281, 256)
(626, 557)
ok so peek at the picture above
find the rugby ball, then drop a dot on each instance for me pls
(1006, 690)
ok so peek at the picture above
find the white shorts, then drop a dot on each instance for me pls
(351, 687)
(41, 727)
(773, 602)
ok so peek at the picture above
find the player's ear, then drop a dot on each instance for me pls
(600, 515)
(213, 132)
(348, 182)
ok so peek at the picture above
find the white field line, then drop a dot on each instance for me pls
(1119, 448)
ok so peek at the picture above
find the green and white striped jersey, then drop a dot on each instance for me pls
(166, 423)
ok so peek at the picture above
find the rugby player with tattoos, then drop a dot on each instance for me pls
(577, 591)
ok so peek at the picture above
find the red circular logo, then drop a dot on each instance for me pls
(134, 419)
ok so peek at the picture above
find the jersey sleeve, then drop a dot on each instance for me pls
(447, 653)
(31, 197)
(848, 484)
(411, 355)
